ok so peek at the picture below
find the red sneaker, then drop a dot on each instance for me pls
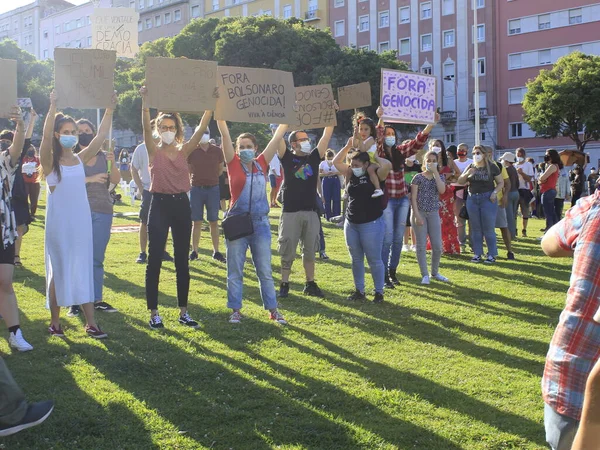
(96, 333)
(58, 332)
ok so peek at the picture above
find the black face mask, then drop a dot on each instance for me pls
(85, 139)
(546, 158)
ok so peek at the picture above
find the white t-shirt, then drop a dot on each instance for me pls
(141, 163)
(326, 169)
(527, 169)
(463, 165)
(275, 166)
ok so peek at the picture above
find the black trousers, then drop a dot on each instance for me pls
(168, 211)
(559, 204)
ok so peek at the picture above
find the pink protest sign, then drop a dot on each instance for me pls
(408, 97)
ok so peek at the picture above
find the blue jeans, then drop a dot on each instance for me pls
(321, 238)
(332, 194)
(560, 430)
(482, 221)
(511, 212)
(366, 239)
(205, 197)
(101, 224)
(394, 216)
(549, 209)
(260, 248)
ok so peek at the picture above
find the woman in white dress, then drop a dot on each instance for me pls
(69, 244)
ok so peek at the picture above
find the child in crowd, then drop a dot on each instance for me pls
(365, 132)
(425, 200)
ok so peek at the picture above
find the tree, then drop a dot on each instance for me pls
(564, 101)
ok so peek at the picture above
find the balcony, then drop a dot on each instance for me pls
(313, 14)
(483, 114)
(448, 116)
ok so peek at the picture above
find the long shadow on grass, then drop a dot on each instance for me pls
(27, 278)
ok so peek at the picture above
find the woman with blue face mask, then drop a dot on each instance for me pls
(247, 182)
(69, 242)
(364, 226)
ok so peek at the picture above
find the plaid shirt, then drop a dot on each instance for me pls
(395, 184)
(575, 346)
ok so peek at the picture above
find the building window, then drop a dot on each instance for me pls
(575, 16)
(426, 42)
(148, 24)
(480, 33)
(544, 57)
(449, 138)
(67, 26)
(57, 29)
(481, 67)
(365, 48)
(195, 11)
(514, 61)
(177, 15)
(363, 23)
(514, 26)
(448, 38)
(45, 54)
(516, 130)
(543, 21)
(141, 4)
(404, 14)
(447, 7)
(287, 11)
(480, 3)
(89, 44)
(45, 34)
(167, 18)
(215, 4)
(338, 3)
(384, 47)
(132, 4)
(575, 48)
(404, 46)
(268, 12)
(482, 136)
(150, 3)
(340, 28)
(88, 20)
(425, 10)
(384, 19)
(78, 23)
(158, 20)
(140, 27)
(426, 70)
(515, 95)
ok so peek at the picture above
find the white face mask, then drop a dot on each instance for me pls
(305, 146)
(205, 138)
(477, 158)
(438, 150)
(504, 163)
(520, 159)
(168, 137)
(358, 172)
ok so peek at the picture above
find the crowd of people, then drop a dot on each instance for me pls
(385, 192)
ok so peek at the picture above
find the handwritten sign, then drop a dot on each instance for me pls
(255, 95)
(354, 96)
(408, 97)
(315, 107)
(8, 87)
(84, 78)
(115, 29)
(181, 85)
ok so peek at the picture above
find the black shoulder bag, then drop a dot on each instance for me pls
(240, 225)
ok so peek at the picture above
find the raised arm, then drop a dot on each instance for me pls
(226, 143)
(16, 147)
(274, 144)
(323, 144)
(194, 141)
(103, 131)
(32, 119)
(146, 126)
(339, 161)
(48, 137)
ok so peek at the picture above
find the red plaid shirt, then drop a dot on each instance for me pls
(575, 346)
(395, 184)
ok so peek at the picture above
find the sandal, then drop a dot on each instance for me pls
(18, 262)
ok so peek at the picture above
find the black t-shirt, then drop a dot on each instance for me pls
(362, 208)
(301, 177)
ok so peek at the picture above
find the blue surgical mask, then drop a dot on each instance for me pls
(68, 140)
(246, 155)
(390, 141)
(358, 172)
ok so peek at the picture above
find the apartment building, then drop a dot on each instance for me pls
(22, 25)
(532, 35)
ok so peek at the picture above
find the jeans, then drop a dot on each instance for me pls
(482, 220)
(12, 400)
(559, 204)
(332, 195)
(321, 238)
(511, 212)
(168, 211)
(260, 248)
(101, 224)
(549, 209)
(394, 217)
(366, 239)
(432, 227)
(560, 430)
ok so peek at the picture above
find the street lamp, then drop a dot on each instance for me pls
(453, 79)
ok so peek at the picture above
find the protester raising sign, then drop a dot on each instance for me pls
(255, 95)
(8, 87)
(84, 78)
(354, 96)
(180, 84)
(315, 107)
(408, 97)
(115, 29)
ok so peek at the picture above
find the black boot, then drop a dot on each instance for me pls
(389, 284)
(392, 276)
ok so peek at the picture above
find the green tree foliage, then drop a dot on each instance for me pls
(563, 102)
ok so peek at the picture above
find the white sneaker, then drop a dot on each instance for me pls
(413, 248)
(406, 248)
(440, 277)
(236, 317)
(377, 193)
(425, 280)
(17, 341)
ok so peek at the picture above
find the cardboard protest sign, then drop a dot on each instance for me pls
(181, 85)
(315, 107)
(24, 103)
(354, 96)
(115, 29)
(255, 95)
(84, 78)
(408, 97)
(8, 87)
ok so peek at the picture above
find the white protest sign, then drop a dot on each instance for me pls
(8, 87)
(115, 29)
(408, 97)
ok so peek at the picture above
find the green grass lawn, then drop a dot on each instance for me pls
(448, 366)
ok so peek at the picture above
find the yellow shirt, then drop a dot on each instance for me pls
(504, 177)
